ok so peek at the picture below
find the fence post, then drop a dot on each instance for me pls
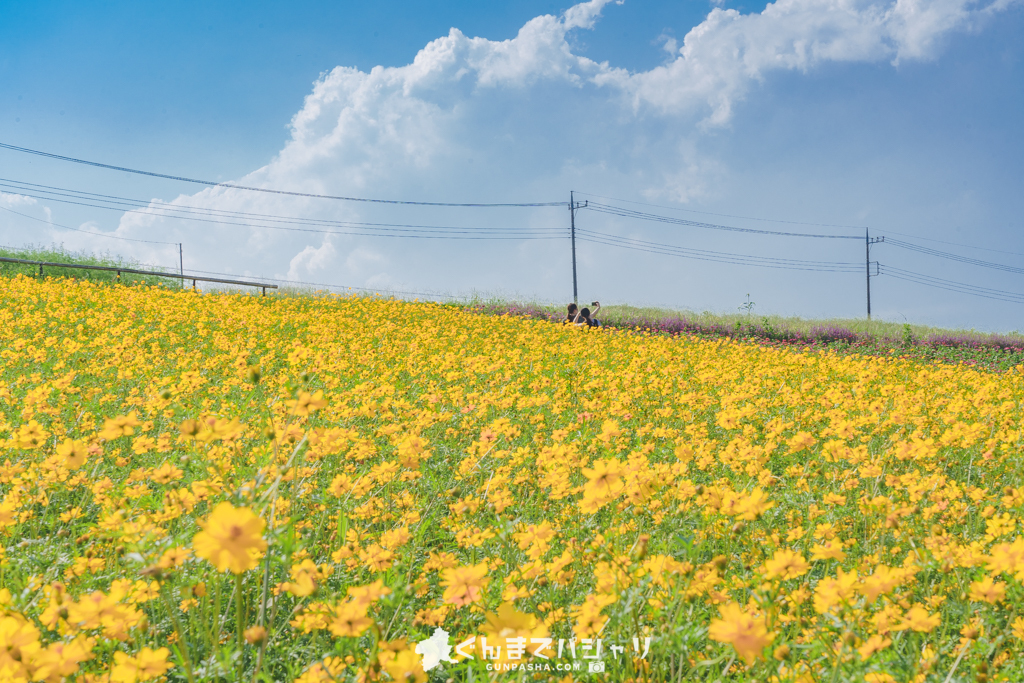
(264, 291)
(40, 270)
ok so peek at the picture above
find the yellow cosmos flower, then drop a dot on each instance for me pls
(1008, 557)
(830, 550)
(350, 620)
(604, 484)
(785, 564)
(30, 435)
(746, 506)
(464, 585)
(406, 666)
(918, 619)
(745, 631)
(834, 592)
(876, 677)
(609, 430)
(987, 590)
(122, 425)
(231, 539)
(61, 660)
(306, 403)
(74, 453)
(145, 666)
(1017, 628)
(509, 623)
(873, 645)
(801, 441)
(880, 582)
(19, 643)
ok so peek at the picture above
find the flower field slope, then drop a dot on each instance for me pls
(224, 487)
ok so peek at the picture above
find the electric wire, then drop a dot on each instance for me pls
(207, 215)
(954, 257)
(233, 186)
(723, 215)
(119, 204)
(716, 256)
(950, 285)
(151, 206)
(641, 215)
(824, 225)
(357, 229)
(87, 232)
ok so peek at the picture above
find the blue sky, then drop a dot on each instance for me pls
(904, 117)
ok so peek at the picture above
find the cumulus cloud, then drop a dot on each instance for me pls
(11, 200)
(361, 131)
(525, 119)
(310, 260)
(728, 51)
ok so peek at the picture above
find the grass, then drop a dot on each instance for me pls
(60, 254)
(860, 336)
(624, 314)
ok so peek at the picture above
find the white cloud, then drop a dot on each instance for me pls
(311, 260)
(525, 119)
(729, 51)
(374, 133)
(14, 200)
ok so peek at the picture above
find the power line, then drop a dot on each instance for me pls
(107, 201)
(954, 244)
(717, 256)
(954, 257)
(87, 232)
(233, 186)
(267, 221)
(723, 215)
(641, 215)
(824, 225)
(949, 285)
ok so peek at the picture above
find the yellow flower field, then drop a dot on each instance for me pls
(230, 487)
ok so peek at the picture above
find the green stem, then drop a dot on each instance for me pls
(263, 601)
(239, 625)
(183, 650)
(960, 656)
(839, 659)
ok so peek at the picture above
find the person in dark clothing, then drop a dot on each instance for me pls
(585, 317)
(573, 312)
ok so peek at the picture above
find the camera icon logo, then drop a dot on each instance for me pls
(595, 667)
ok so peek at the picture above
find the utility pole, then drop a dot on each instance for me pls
(867, 264)
(573, 207)
(181, 266)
